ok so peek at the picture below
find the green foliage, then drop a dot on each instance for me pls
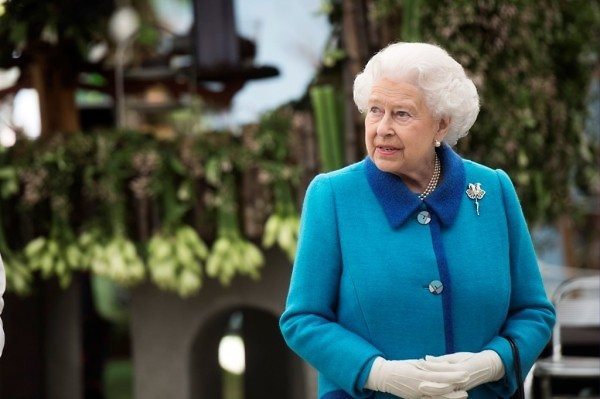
(175, 261)
(231, 253)
(75, 23)
(532, 63)
(121, 205)
(282, 226)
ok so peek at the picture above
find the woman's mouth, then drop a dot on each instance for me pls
(386, 150)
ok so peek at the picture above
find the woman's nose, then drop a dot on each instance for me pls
(384, 127)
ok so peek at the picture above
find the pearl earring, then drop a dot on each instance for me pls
(437, 143)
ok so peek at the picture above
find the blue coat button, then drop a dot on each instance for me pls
(436, 287)
(424, 217)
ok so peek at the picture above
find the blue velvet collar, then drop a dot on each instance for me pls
(398, 202)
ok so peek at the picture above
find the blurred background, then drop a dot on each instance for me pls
(154, 155)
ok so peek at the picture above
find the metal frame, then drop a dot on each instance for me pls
(568, 366)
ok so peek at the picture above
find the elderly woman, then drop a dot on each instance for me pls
(415, 265)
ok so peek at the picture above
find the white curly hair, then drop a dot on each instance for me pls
(447, 90)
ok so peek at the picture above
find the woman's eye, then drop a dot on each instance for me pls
(401, 114)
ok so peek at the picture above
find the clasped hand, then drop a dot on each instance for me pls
(481, 367)
(444, 377)
(409, 380)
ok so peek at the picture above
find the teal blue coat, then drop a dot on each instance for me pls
(360, 286)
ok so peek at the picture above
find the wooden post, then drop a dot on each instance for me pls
(565, 226)
(55, 84)
(356, 44)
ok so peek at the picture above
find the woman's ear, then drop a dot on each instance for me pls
(442, 128)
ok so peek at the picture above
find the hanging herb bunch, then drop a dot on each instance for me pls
(175, 252)
(105, 239)
(124, 206)
(272, 149)
(18, 275)
(56, 253)
(231, 252)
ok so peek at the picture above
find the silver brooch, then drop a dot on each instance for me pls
(475, 192)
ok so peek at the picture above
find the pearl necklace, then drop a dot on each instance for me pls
(437, 168)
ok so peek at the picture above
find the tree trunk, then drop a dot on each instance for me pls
(55, 84)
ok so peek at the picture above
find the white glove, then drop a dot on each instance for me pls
(404, 378)
(481, 367)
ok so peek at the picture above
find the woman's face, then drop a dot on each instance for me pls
(399, 129)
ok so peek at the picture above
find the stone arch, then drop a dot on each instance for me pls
(171, 336)
(272, 370)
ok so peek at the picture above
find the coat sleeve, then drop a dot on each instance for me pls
(2, 288)
(531, 315)
(309, 322)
